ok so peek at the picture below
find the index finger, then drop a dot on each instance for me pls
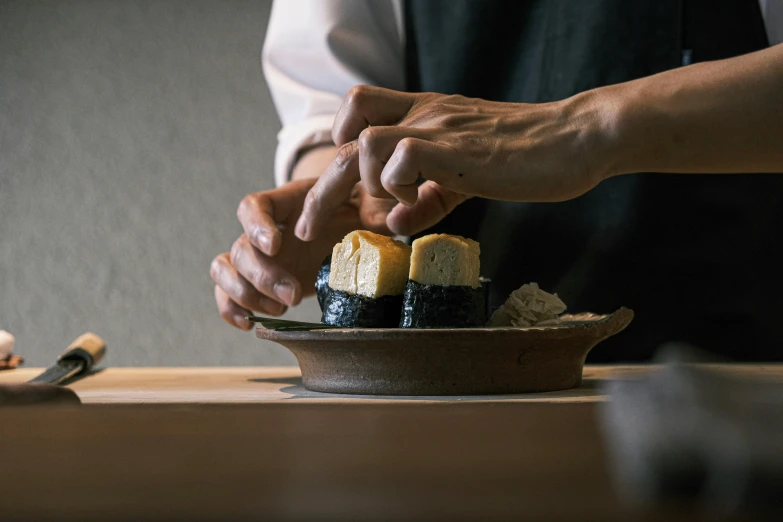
(256, 214)
(364, 106)
(261, 212)
(332, 189)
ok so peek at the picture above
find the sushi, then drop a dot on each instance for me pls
(443, 288)
(366, 279)
(322, 281)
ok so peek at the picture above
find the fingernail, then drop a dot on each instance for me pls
(264, 241)
(272, 307)
(285, 291)
(301, 229)
(241, 321)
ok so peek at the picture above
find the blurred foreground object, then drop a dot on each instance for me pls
(8, 361)
(688, 433)
(36, 394)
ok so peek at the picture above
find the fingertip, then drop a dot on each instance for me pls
(398, 221)
(241, 322)
(278, 312)
(262, 241)
(405, 194)
(271, 307)
(302, 230)
(408, 196)
(337, 135)
(374, 218)
(297, 294)
(269, 241)
(379, 226)
(297, 297)
(288, 292)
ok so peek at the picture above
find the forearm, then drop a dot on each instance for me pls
(715, 117)
(313, 162)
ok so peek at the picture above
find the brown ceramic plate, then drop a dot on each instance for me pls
(458, 361)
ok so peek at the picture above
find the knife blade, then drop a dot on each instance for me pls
(84, 353)
(284, 325)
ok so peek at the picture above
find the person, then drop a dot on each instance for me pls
(522, 119)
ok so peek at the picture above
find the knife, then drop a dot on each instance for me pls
(284, 325)
(81, 356)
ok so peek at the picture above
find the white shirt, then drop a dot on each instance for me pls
(315, 50)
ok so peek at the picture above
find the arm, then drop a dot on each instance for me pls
(719, 117)
(314, 52)
(715, 117)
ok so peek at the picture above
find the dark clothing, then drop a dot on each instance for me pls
(694, 256)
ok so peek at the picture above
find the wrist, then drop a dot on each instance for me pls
(311, 162)
(603, 117)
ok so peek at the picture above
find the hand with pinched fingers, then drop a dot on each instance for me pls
(432, 151)
(268, 268)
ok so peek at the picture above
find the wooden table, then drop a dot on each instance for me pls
(252, 444)
(240, 385)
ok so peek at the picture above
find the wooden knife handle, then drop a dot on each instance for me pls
(87, 347)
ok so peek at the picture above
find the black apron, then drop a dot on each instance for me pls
(695, 256)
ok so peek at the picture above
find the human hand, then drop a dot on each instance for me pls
(462, 147)
(270, 269)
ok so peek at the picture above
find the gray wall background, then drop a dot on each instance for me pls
(129, 131)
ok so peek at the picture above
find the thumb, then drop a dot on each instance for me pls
(373, 213)
(432, 205)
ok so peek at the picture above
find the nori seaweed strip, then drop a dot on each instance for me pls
(485, 286)
(433, 306)
(358, 311)
(322, 281)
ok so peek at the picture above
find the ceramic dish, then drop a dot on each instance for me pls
(460, 361)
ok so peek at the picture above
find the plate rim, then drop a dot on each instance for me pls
(622, 317)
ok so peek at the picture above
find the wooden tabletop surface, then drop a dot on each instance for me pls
(228, 385)
(227, 444)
